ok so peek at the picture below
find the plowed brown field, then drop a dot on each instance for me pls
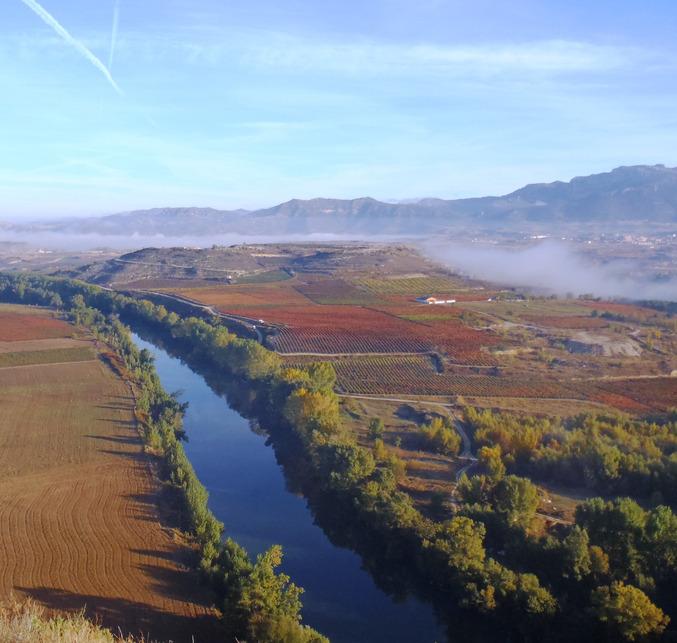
(79, 519)
(39, 324)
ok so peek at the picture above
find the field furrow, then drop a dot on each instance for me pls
(78, 501)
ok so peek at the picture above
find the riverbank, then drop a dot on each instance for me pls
(255, 478)
(256, 602)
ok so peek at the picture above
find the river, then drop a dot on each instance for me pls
(248, 492)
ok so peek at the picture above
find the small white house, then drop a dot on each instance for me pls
(429, 299)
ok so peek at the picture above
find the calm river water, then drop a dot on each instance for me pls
(249, 494)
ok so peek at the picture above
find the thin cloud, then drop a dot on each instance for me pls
(268, 49)
(552, 56)
(76, 44)
(114, 33)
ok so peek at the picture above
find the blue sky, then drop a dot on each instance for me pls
(234, 103)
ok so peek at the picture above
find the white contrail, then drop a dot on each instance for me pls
(54, 24)
(114, 33)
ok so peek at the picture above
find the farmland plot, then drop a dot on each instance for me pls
(80, 524)
(573, 322)
(232, 298)
(39, 324)
(347, 324)
(418, 285)
(336, 291)
(46, 356)
(415, 375)
(656, 393)
(42, 344)
(355, 329)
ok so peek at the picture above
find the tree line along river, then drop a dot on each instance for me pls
(251, 495)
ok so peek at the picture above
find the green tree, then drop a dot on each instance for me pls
(440, 436)
(267, 595)
(322, 376)
(261, 604)
(344, 464)
(309, 411)
(474, 489)
(77, 301)
(376, 428)
(461, 540)
(660, 540)
(491, 461)
(516, 499)
(617, 527)
(576, 554)
(532, 598)
(253, 360)
(55, 301)
(627, 612)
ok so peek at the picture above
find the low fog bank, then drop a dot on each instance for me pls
(554, 267)
(127, 243)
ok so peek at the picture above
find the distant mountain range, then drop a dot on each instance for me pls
(634, 195)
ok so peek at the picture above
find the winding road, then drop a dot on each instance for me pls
(250, 324)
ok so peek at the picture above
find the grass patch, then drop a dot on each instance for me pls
(267, 277)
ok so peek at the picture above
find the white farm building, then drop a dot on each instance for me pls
(429, 299)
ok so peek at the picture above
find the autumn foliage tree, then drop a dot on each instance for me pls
(627, 613)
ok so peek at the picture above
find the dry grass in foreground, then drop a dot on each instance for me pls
(27, 622)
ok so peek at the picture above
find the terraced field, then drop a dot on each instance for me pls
(80, 524)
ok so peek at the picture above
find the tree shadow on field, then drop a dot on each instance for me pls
(144, 506)
(126, 423)
(128, 455)
(164, 555)
(133, 441)
(114, 407)
(166, 581)
(127, 617)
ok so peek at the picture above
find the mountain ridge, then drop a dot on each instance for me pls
(633, 193)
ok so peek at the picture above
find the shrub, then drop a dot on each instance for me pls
(440, 436)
